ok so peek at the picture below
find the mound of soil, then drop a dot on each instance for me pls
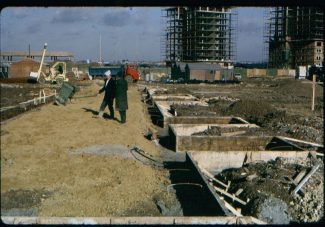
(263, 181)
(286, 86)
(196, 110)
(257, 112)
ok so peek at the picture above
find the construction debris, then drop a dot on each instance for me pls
(270, 190)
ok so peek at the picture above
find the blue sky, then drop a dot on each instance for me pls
(126, 33)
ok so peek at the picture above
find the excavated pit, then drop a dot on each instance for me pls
(265, 181)
(196, 196)
(163, 114)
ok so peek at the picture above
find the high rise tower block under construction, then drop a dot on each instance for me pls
(295, 36)
(199, 34)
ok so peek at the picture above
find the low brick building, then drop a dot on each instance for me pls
(22, 68)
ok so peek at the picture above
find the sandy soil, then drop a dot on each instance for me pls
(36, 156)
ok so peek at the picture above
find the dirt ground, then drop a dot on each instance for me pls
(60, 161)
(40, 175)
(280, 105)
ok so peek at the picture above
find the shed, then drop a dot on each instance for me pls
(206, 71)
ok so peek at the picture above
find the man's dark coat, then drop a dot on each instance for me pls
(121, 101)
(109, 91)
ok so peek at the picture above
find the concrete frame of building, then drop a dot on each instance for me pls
(296, 37)
(199, 34)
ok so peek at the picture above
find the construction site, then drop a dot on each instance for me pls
(203, 142)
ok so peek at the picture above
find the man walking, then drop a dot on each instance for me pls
(109, 88)
(121, 99)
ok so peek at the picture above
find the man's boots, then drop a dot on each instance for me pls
(100, 114)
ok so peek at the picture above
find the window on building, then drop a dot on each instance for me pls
(319, 44)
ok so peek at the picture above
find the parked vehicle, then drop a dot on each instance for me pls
(100, 71)
(130, 71)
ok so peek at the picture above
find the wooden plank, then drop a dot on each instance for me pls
(303, 181)
(299, 176)
(211, 177)
(189, 220)
(232, 209)
(295, 185)
(239, 191)
(228, 186)
(24, 105)
(257, 221)
(300, 141)
(313, 98)
(229, 195)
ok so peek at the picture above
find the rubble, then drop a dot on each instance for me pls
(268, 187)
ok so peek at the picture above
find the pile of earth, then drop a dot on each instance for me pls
(304, 128)
(279, 122)
(268, 189)
(256, 112)
(272, 120)
(286, 86)
(215, 108)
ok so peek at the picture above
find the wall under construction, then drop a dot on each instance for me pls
(198, 34)
(295, 36)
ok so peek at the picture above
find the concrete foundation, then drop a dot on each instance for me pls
(169, 118)
(164, 97)
(164, 108)
(216, 162)
(130, 220)
(182, 138)
(205, 120)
